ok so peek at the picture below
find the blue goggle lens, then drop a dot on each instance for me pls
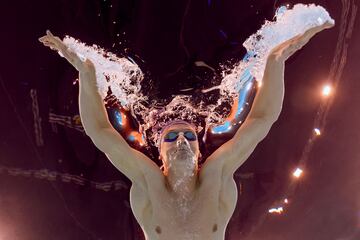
(172, 136)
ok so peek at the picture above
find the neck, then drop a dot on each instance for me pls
(181, 183)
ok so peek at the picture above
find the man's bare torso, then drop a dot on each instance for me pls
(161, 216)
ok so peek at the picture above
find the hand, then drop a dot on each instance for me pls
(286, 49)
(56, 44)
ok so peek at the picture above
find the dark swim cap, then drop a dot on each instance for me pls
(171, 123)
(174, 122)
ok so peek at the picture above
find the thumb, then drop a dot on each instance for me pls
(89, 63)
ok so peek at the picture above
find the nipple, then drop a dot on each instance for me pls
(158, 229)
(214, 228)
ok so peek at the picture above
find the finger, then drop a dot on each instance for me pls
(56, 42)
(52, 47)
(50, 38)
(328, 25)
(49, 43)
(45, 38)
(53, 38)
(49, 33)
(321, 27)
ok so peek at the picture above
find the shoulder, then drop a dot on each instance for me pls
(136, 166)
(211, 170)
(150, 172)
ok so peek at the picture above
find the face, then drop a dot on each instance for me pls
(179, 145)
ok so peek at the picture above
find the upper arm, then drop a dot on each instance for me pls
(133, 164)
(232, 154)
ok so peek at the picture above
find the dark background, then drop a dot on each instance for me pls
(166, 38)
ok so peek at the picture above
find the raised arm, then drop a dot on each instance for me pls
(265, 110)
(132, 163)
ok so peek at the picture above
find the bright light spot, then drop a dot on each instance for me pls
(326, 90)
(276, 210)
(286, 200)
(248, 87)
(317, 131)
(297, 173)
(259, 84)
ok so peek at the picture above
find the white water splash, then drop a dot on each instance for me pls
(120, 74)
(181, 163)
(124, 76)
(289, 23)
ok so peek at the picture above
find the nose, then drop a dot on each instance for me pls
(181, 139)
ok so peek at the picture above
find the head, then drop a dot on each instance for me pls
(179, 146)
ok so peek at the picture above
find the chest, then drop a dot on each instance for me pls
(206, 215)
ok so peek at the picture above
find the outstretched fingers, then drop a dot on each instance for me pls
(288, 48)
(312, 31)
(55, 43)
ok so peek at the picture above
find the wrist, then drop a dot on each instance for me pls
(274, 59)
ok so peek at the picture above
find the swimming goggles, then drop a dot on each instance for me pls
(172, 136)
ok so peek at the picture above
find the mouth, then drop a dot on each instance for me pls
(183, 148)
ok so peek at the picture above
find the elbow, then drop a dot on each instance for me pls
(266, 117)
(91, 131)
(273, 117)
(273, 114)
(93, 126)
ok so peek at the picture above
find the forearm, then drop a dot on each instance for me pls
(92, 110)
(269, 98)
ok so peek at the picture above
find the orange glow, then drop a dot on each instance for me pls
(138, 137)
(298, 172)
(233, 110)
(326, 90)
(317, 131)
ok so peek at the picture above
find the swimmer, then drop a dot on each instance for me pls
(181, 201)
